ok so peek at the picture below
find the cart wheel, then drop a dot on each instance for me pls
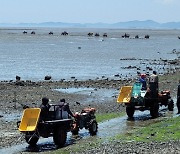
(93, 127)
(170, 105)
(130, 111)
(154, 110)
(31, 138)
(59, 137)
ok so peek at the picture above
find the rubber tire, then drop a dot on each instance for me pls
(170, 105)
(154, 110)
(130, 111)
(59, 137)
(93, 127)
(31, 138)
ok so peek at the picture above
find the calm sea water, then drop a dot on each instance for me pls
(34, 56)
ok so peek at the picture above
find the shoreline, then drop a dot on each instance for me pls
(128, 72)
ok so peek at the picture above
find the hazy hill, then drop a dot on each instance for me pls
(130, 24)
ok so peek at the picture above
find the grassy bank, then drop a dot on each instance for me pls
(168, 129)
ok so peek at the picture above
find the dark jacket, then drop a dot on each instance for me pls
(178, 98)
(178, 91)
(44, 111)
(65, 107)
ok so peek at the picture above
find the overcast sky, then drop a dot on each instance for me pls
(88, 11)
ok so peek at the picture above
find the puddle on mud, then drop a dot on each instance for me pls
(106, 129)
(10, 116)
(43, 145)
(93, 94)
(76, 90)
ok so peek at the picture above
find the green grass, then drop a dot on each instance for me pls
(165, 130)
(101, 117)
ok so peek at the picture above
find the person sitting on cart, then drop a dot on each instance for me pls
(142, 80)
(178, 98)
(63, 111)
(44, 109)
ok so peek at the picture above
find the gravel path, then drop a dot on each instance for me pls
(170, 147)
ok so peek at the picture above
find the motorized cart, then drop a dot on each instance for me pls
(86, 119)
(34, 128)
(136, 99)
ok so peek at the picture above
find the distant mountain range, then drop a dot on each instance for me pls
(148, 24)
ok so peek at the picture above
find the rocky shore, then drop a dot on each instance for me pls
(169, 147)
